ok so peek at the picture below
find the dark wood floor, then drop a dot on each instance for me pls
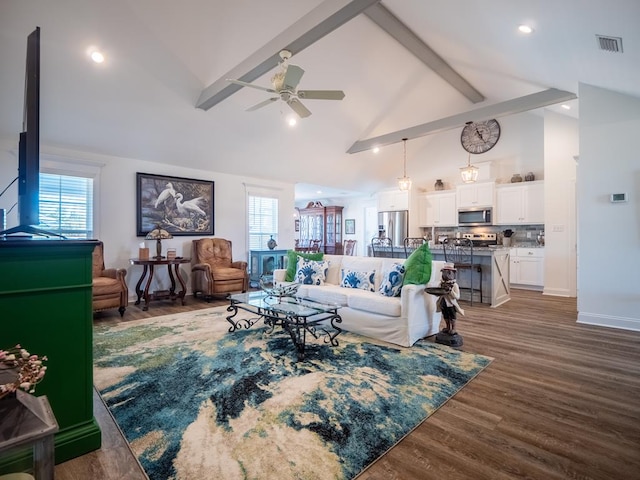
(560, 401)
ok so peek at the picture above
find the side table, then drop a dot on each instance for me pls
(147, 272)
(29, 420)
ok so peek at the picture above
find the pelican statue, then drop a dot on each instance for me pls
(165, 194)
(190, 206)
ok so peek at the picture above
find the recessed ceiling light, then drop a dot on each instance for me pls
(525, 29)
(376, 149)
(319, 192)
(566, 107)
(97, 56)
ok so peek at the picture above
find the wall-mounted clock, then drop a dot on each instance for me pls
(480, 137)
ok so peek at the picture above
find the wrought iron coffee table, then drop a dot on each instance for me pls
(297, 316)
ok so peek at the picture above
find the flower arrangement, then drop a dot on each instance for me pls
(28, 370)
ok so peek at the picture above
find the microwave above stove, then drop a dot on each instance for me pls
(472, 217)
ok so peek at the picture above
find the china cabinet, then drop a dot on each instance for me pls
(324, 224)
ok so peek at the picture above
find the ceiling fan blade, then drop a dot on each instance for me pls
(321, 94)
(263, 104)
(298, 107)
(245, 84)
(292, 76)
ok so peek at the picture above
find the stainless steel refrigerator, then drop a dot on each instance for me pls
(394, 225)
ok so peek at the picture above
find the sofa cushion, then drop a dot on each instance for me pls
(357, 279)
(392, 279)
(330, 294)
(310, 272)
(374, 303)
(292, 259)
(418, 266)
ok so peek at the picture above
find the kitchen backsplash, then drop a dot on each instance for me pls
(518, 238)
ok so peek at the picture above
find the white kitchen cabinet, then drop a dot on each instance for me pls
(527, 266)
(475, 195)
(438, 209)
(520, 204)
(393, 200)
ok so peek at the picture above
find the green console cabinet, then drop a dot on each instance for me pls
(45, 305)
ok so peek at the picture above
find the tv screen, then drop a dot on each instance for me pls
(29, 146)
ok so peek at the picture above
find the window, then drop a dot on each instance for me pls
(263, 221)
(66, 205)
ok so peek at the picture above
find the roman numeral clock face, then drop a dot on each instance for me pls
(480, 137)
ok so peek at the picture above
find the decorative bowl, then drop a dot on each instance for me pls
(288, 289)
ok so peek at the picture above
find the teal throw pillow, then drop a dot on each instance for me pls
(418, 266)
(292, 262)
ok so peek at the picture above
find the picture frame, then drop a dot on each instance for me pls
(350, 226)
(181, 206)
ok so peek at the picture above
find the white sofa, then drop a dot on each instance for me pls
(400, 320)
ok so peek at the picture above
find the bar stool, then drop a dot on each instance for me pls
(459, 251)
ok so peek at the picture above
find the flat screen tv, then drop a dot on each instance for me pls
(29, 146)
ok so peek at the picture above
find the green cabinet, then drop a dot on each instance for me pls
(45, 300)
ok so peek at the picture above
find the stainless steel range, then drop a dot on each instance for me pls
(482, 239)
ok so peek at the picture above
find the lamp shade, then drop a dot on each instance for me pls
(158, 234)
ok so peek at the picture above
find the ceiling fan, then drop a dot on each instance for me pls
(284, 84)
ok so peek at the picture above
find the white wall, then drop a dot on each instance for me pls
(560, 150)
(608, 233)
(116, 218)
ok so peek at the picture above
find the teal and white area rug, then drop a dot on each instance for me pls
(196, 401)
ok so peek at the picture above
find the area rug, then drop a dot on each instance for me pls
(197, 401)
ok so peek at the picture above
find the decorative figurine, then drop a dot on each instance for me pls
(447, 303)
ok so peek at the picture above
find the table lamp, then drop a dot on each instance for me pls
(158, 234)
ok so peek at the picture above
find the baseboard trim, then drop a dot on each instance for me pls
(609, 321)
(558, 292)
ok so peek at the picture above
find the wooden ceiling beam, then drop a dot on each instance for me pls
(386, 20)
(502, 109)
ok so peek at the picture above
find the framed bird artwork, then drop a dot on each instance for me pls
(181, 206)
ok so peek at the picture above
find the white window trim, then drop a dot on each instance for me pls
(58, 165)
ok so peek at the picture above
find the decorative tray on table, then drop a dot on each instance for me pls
(437, 290)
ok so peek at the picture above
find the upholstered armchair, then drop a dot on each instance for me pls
(213, 272)
(109, 287)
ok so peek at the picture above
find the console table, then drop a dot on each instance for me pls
(263, 262)
(147, 272)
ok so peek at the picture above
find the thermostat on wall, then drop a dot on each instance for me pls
(618, 197)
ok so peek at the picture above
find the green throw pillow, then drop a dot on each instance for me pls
(418, 266)
(292, 256)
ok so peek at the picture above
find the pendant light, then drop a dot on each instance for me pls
(469, 173)
(404, 183)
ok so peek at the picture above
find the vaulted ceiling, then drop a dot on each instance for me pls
(161, 56)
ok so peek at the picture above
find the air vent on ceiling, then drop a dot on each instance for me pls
(609, 44)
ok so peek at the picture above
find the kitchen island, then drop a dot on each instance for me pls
(495, 273)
